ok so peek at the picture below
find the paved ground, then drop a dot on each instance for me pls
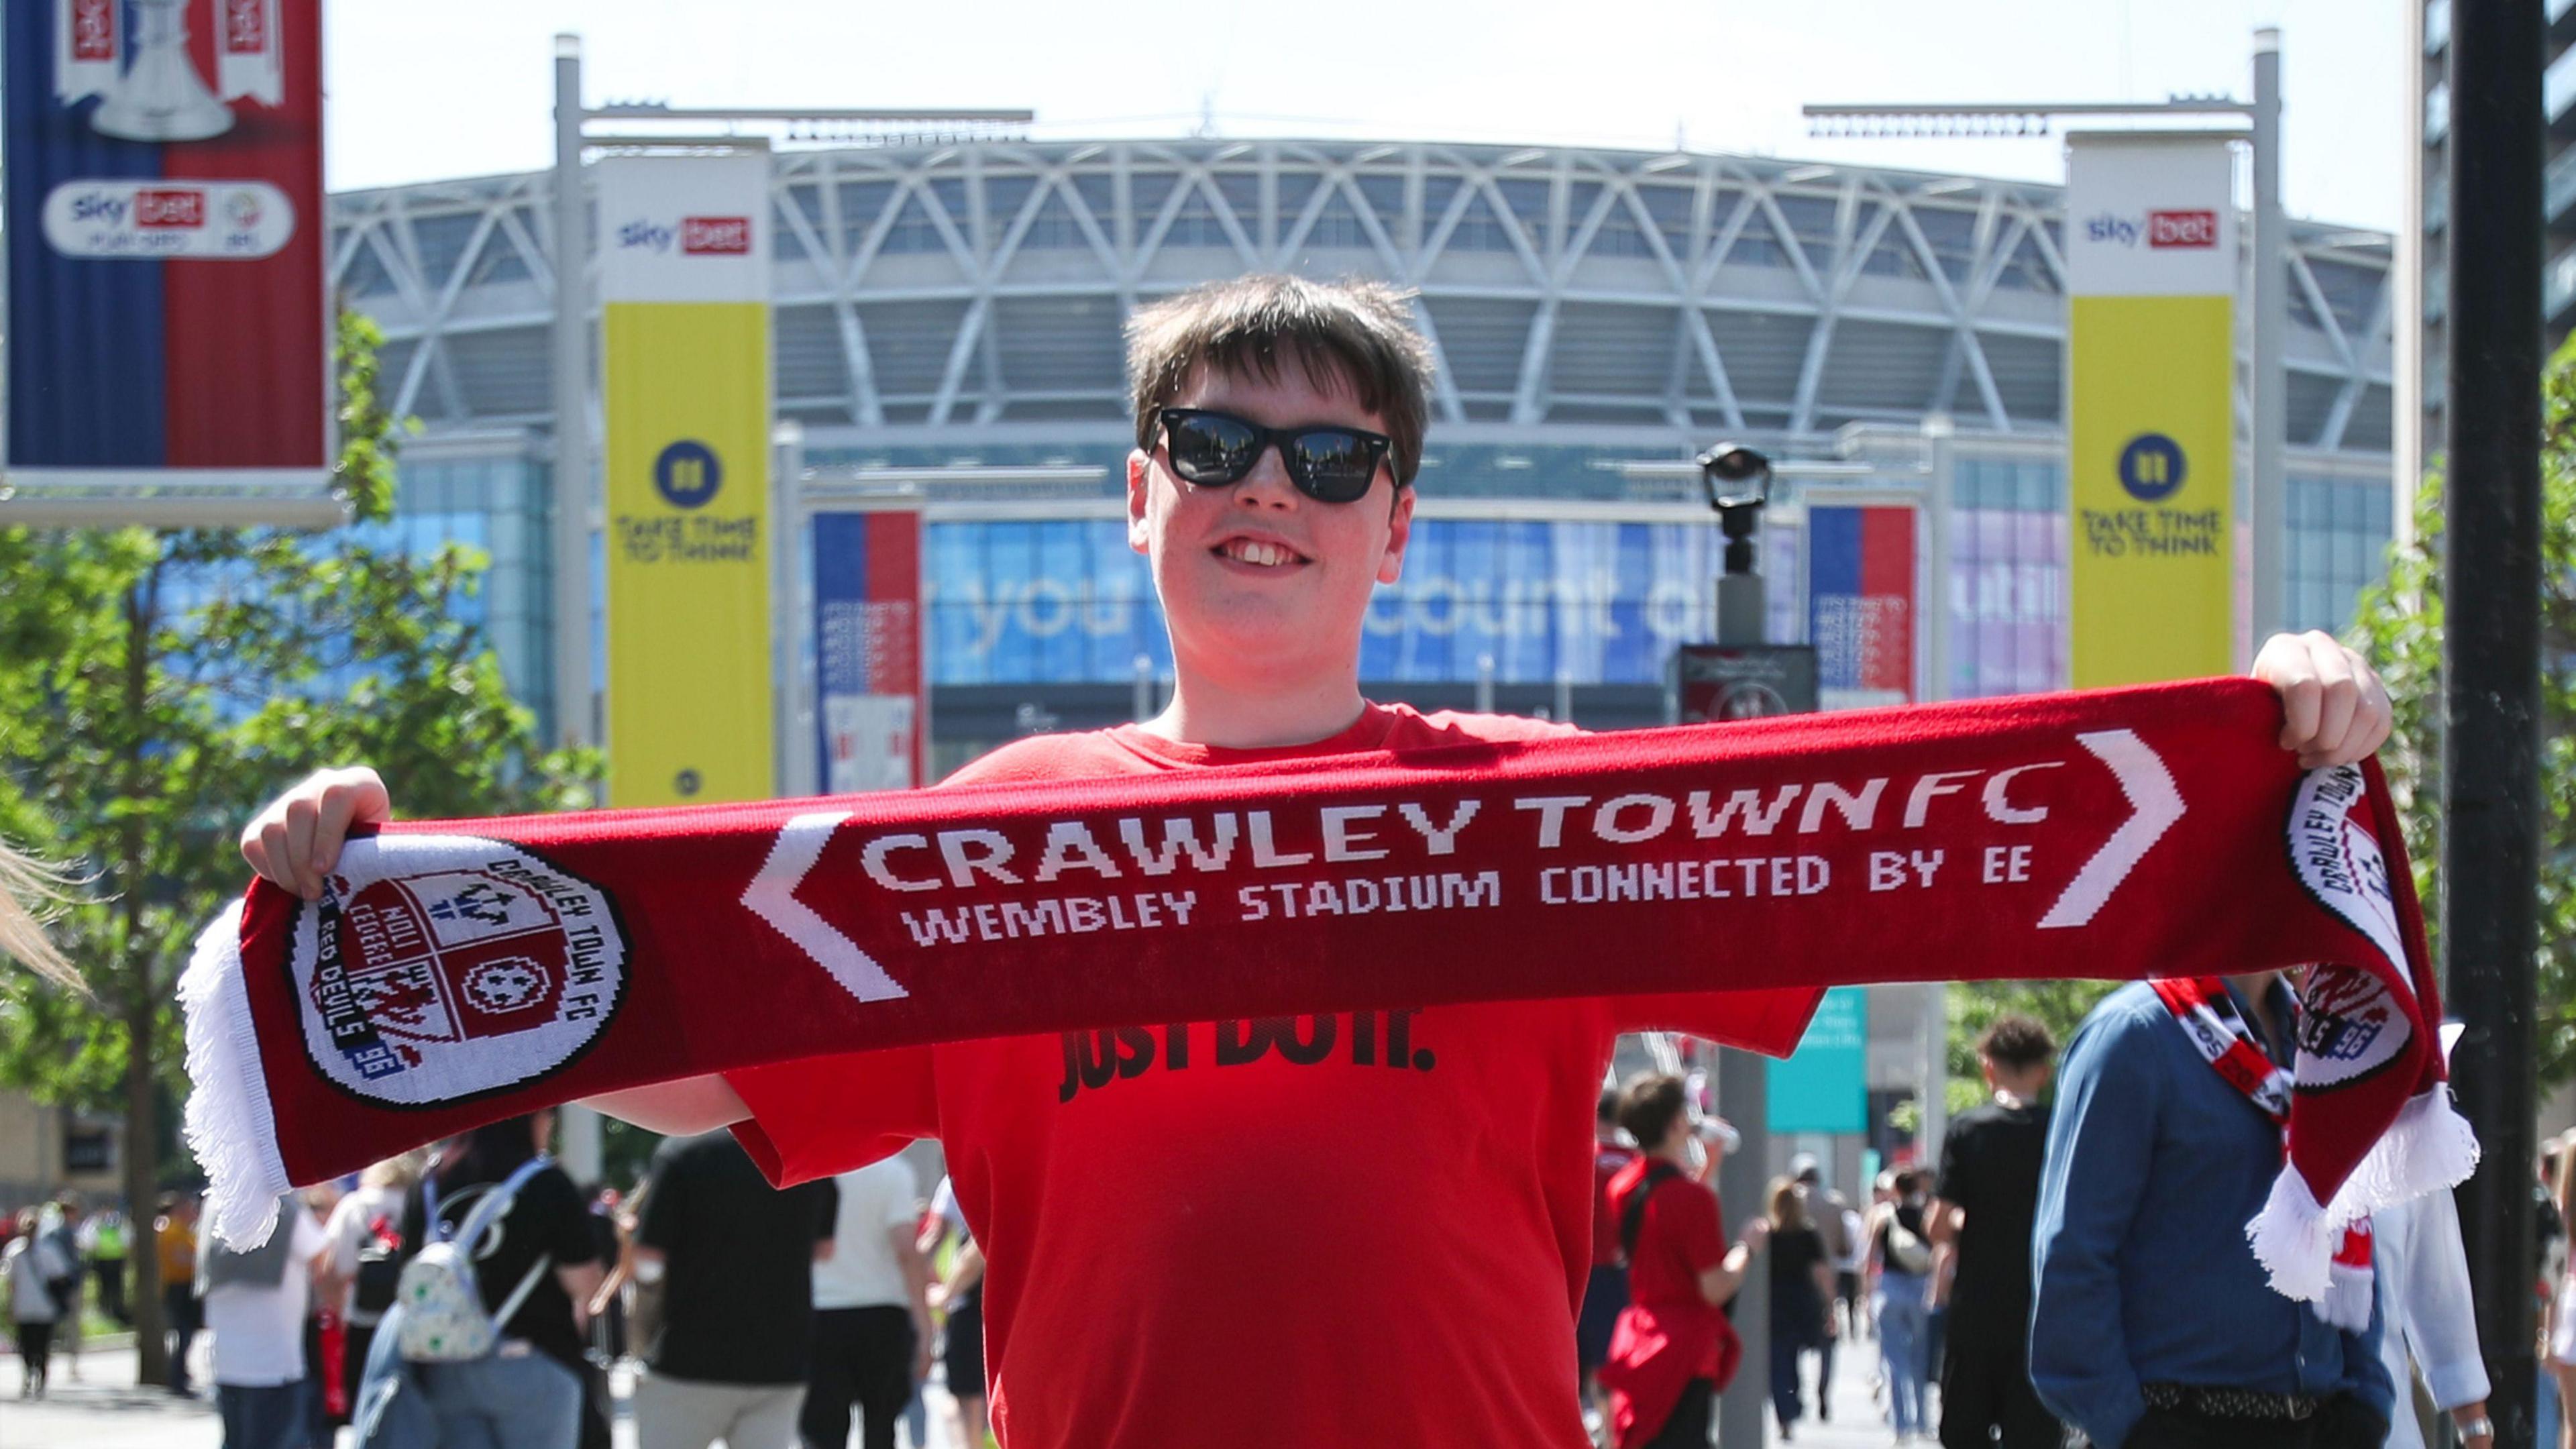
(1859, 1419)
(103, 1410)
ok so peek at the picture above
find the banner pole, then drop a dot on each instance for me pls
(2271, 383)
(574, 712)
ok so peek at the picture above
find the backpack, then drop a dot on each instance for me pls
(1632, 1221)
(1906, 1251)
(379, 1280)
(442, 1318)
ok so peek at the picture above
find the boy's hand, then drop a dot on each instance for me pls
(2334, 710)
(296, 841)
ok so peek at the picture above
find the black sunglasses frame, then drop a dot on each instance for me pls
(1379, 447)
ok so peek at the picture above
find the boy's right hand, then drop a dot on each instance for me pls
(296, 841)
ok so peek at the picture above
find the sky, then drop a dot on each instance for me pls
(464, 87)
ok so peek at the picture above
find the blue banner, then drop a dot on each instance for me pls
(1066, 601)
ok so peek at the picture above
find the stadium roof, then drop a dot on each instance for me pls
(932, 292)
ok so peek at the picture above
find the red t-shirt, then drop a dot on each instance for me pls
(1289, 1232)
(1607, 1159)
(1681, 1236)
(1670, 1333)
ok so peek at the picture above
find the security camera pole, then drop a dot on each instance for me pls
(1738, 480)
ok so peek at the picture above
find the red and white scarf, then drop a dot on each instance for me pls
(458, 972)
(2219, 1032)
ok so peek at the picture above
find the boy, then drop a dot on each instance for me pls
(1369, 1227)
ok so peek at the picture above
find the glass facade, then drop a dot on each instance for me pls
(1596, 600)
(2339, 533)
(497, 505)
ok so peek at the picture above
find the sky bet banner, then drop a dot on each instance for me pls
(684, 288)
(2151, 267)
(165, 234)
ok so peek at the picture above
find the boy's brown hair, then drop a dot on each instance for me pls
(1649, 1105)
(1352, 335)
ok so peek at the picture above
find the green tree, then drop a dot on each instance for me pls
(155, 687)
(2399, 625)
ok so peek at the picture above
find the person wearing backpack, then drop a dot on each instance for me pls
(29, 1267)
(365, 1230)
(503, 1367)
(1672, 1350)
(1897, 1243)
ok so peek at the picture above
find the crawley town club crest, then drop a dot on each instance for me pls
(2349, 1026)
(440, 967)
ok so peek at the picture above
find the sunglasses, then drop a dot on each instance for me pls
(1218, 450)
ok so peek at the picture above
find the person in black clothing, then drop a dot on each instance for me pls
(546, 1220)
(735, 1257)
(1802, 1295)
(1989, 1193)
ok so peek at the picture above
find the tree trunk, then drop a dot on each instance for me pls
(137, 999)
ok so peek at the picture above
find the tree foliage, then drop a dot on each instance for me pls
(156, 687)
(2399, 625)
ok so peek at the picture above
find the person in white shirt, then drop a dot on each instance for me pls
(256, 1303)
(31, 1270)
(871, 1310)
(2422, 1274)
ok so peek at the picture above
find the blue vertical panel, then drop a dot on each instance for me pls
(86, 361)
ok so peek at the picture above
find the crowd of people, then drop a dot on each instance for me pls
(1897, 1272)
(2076, 1272)
(759, 1317)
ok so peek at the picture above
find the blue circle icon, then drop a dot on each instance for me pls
(2152, 467)
(687, 474)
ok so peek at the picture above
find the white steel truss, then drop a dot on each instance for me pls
(935, 288)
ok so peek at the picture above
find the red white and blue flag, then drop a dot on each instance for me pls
(1860, 604)
(870, 693)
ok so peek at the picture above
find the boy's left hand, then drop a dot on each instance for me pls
(2334, 710)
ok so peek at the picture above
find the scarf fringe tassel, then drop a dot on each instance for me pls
(2427, 1149)
(230, 1124)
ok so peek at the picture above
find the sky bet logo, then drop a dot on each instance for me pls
(2161, 229)
(715, 236)
(153, 207)
(698, 236)
(169, 208)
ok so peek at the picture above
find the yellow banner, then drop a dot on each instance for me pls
(686, 386)
(2150, 248)
(2152, 444)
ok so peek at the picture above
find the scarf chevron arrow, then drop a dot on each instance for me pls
(458, 972)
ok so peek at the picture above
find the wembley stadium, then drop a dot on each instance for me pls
(952, 313)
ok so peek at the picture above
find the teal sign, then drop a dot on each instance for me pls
(1824, 1085)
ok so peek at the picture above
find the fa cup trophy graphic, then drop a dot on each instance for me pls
(160, 96)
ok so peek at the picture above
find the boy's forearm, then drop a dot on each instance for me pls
(683, 1108)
